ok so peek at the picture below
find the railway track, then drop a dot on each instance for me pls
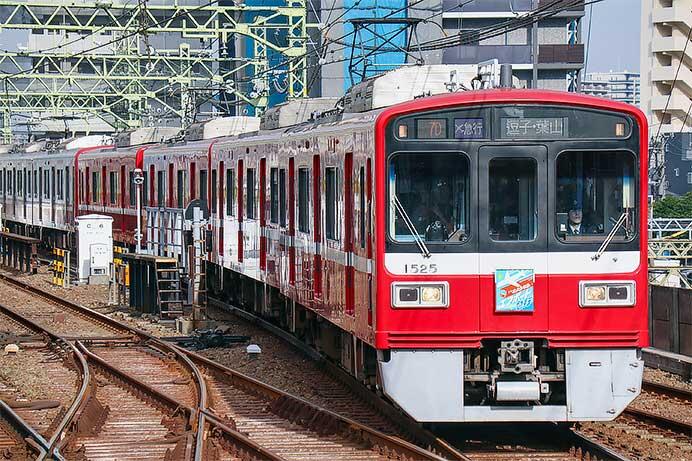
(240, 418)
(554, 443)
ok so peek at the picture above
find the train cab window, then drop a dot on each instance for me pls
(303, 199)
(274, 195)
(181, 187)
(595, 196)
(512, 210)
(250, 194)
(429, 195)
(161, 189)
(282, 197)
(230, 192)
(203, 187)
(113, 187)
(330, 205)
(214, 195)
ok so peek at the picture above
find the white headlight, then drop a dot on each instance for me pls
(422, 294)
(606, 293)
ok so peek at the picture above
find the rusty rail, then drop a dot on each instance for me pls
(31, 438)
(280, 401)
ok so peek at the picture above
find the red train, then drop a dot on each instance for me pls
(480, 255)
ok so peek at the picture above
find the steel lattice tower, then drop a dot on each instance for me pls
(134, 62)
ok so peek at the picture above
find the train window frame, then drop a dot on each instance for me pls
(230, 191)
(391, 210)
(303, 199)
(161, 188)
(95, 189)
(274, 195)
(59, 184)
(113, 187)
(203, 187)
(283, 208)
(361, 203)
(214, 191)
(637, 208)
(331, 202)
(250, 174)
(67, 184)
(181, 187)
(533, 212)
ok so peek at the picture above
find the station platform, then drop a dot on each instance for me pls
(668, 361)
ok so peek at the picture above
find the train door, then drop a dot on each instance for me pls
(40, 194)
(348, 230)
(52, 194)
(262, 214)
(317, 221)
(291, 222)
(240, 209)
(513, 238)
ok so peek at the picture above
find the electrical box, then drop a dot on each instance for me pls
(95, 248)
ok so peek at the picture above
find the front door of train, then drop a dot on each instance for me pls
(512, 222)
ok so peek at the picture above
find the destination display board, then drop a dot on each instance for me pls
(469, 128)
(533, 127)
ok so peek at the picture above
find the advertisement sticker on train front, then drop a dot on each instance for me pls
(514, 290)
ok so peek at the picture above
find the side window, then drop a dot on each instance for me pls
(361, 214)
(58, 186)
(203, 187)
(181, 188)
(133, 188)
(51, 188)
(282, 197)
(113, 187)
(145, 189)
(214, 191)
(303, 199)
(330, 204)
(95, 193)
(28, 182)
(274, 195)
(67, 183)
(35, 189)
(250, 194)
(161, 189)
(230, 192)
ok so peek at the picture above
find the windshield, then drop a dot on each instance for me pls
(433, 192)
(594, 190)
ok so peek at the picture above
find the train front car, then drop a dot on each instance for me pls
(511, 265)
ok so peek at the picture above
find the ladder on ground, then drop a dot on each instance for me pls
(168, 288)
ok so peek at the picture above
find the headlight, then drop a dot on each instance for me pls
(423, 294)
(606, 293)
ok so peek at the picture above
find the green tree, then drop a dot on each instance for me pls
(674, 207)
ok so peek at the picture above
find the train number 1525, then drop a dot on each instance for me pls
(420, 268)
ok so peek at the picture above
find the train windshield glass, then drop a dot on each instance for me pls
(595, 195)
(432, 190)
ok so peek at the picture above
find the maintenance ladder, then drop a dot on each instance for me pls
(155, 285)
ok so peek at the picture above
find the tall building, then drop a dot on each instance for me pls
(548, 54)
(666, 26)
(619, 86)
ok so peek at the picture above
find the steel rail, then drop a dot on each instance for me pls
(671, 391)
(659, 420)
(56, 437)
(402, 422)
(30, 436)
(246, 445)
(280, 399)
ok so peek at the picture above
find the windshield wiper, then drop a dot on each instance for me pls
(609, 237)
(411, 228)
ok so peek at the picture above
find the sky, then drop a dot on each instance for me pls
(615, 35)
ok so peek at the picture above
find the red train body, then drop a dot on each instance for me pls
(431, 247)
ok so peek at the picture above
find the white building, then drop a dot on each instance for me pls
(618, 86)
(665, 36)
